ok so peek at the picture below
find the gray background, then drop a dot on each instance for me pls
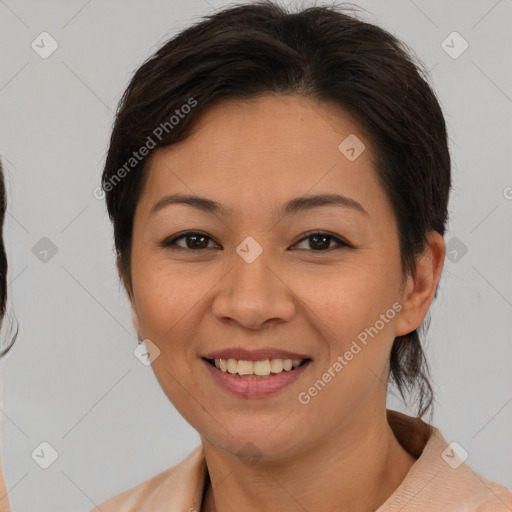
(72, 379)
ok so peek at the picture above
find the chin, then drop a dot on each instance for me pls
(254, 444)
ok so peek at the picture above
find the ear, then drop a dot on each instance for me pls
(420, 288)
(129, 292)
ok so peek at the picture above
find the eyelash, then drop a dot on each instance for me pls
(170, 243)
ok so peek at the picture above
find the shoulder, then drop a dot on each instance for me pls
(4, 504)
(178, 487)
(439, 479)
(488, 496)
(462, 486)
(452, 485)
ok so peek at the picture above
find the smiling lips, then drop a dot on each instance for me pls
(261, 368)
(257, 373)
(255, 363)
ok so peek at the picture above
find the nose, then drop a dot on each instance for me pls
(254, 295)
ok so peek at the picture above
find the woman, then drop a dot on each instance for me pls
(7, 339)
(278, 185)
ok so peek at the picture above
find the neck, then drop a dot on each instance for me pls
(347, 471)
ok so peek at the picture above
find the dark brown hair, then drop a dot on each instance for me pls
(8, 337)
(321, 53)
(3, 257)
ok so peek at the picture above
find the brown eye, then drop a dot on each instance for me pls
(193, 241)
(320, 241)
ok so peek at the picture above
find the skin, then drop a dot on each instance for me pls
(253, 157)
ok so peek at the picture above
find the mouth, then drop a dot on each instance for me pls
(261, 369)
(257, 378)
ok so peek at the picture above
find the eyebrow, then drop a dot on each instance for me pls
(293, 206)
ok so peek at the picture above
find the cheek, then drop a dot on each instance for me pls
(165, 297)
(345, 300)
(357, 343)
(352, 311)
(168, 310)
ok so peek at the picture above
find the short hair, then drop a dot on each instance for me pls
(321, 53)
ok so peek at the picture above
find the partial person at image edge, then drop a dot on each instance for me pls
(5, 344)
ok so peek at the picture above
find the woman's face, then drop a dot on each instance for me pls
(252, 280)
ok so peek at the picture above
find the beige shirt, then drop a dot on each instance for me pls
(4, 504)
(437, 482)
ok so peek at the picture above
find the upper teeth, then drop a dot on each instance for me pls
(264, 367)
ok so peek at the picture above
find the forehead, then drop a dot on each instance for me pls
(273, 123)
(269, 148)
